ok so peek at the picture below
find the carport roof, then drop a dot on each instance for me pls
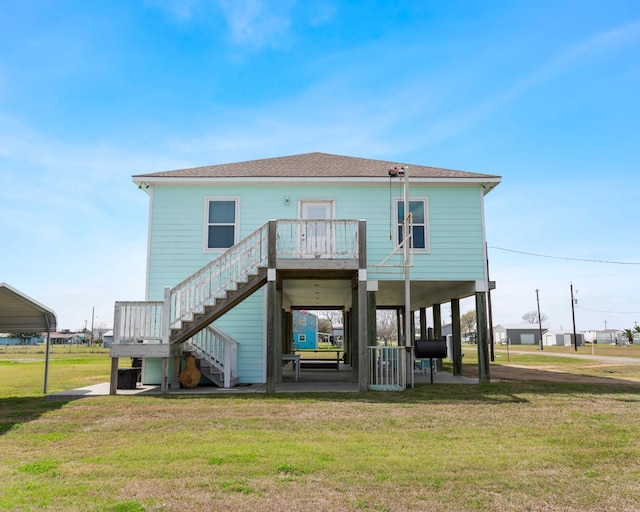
(19, 313)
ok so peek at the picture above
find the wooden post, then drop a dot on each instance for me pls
(423, 323)
(437, 329)
(363, 337)
(166, 316)
(482, 337)
(164, 379)
(437, 321)
(372, 326)
(456, 337)
(287, 332)
(272, 310)
(353, 332)
(278, 314)
(346, 338)
(113, 383)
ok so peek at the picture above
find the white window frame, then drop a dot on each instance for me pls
(427, 241)
(236, 224)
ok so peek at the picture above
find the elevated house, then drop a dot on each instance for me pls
(234, 248)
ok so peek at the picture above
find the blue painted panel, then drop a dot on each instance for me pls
(305, 330)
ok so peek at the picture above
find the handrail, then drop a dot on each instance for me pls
(214, 279)
(219, 349)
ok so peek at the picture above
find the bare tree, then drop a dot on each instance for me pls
(334, 316)
(386, 325)
(325, 325)
(532, 317)
(468, 322)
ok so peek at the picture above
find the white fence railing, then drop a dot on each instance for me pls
(214, 279)
(387, 368)
(219, 349)
(337, 239)
(137, 322)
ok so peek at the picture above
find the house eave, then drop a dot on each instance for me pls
(489, 182)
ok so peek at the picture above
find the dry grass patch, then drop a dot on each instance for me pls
(494, 447)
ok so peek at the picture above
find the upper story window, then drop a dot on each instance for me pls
(419, 221)
(221, 223)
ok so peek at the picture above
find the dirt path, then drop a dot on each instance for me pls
(547, 373)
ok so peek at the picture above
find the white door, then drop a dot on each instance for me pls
(316, 240)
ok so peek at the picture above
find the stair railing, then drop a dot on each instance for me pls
(218, 349)
(219, 276)
(151, 322)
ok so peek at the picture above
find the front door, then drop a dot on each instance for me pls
(316, 240)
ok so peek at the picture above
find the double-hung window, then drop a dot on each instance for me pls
(221, 223)
(419, 223)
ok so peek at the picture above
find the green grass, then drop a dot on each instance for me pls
(506, 446)
(22, 369)
(519, 446)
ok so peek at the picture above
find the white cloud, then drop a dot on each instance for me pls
(257, 23)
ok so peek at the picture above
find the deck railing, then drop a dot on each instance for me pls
(137, 322)
(330, 239)
(387, 368)
(219, 349)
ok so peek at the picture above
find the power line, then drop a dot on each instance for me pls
(565, 258)
(610, 312)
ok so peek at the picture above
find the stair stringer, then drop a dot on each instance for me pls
(221, 306)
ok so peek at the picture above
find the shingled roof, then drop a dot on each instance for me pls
(311, 165)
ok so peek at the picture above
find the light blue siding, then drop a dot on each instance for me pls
(455, 226)
(245, 323)
(177, 240)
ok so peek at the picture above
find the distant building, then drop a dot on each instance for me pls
(7, 339)
(517, 334)
(305, 330)
(609, 337)
(561, 338)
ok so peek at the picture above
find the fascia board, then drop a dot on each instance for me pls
(141, 181)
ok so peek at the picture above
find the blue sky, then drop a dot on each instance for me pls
(544, 94)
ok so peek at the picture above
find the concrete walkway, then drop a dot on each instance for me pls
(318, 381)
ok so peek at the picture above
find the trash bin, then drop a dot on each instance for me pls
(128, 378)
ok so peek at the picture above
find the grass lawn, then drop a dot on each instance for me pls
(505, 446)
(551, 359)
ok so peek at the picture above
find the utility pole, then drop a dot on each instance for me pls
(573, 316)
(93, 311)
(539, 319)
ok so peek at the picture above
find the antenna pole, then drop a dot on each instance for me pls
(408, 341)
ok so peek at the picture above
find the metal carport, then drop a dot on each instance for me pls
(19, 313)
